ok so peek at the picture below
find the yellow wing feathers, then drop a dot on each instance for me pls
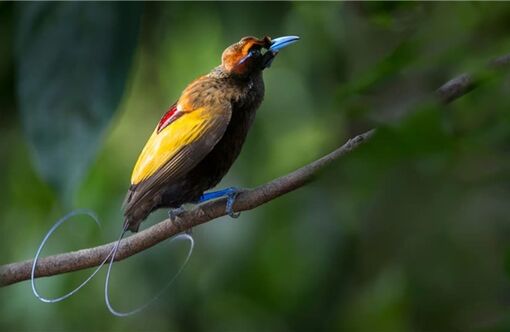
(169, 149)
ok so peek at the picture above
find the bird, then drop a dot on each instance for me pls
(200, 136)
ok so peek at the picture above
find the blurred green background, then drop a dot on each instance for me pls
(411, 232)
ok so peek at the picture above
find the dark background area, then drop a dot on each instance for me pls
(408, 233)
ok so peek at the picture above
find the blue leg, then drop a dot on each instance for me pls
(230, 193)
(217, 194)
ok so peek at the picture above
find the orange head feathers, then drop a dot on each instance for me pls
(251, 54)
(244, 56)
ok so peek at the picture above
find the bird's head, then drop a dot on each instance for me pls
(251, 54)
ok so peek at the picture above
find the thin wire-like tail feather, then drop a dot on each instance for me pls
(109, 258)
(184, 236)
(53, 228)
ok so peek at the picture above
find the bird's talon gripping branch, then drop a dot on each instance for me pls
(173, 214)
(231, 197)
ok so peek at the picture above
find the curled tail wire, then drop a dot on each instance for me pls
(183, 236)
(43, 243)
(110, 257)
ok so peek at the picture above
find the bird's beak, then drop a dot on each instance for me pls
(276, 45)
(281, 42)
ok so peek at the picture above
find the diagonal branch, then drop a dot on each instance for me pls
(246, 200)
(464, 83)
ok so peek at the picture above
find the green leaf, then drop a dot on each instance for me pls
(72, 62)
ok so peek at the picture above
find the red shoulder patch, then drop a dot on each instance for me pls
(170, 116)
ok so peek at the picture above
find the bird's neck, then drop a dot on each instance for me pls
(239, 89)
(221, 72)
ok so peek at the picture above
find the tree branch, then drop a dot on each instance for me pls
(246, 200)
(464, 83)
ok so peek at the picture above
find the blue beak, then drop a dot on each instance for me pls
(281, 42)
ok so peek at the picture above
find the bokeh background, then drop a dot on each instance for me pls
(411, 232)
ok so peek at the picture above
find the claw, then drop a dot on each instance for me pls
(174, 213)
(231, 198)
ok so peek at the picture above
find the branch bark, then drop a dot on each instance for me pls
(246, 200)
(464, 83)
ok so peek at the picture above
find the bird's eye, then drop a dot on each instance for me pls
(255, 52)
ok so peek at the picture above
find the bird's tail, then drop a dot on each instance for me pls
(110, 257)
(53, 228)
(182, 236)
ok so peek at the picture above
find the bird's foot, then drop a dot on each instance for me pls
(175, 212)
(231, 198)
(231, 194)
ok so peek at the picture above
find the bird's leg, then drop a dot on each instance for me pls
(217, 194)
(230, 193)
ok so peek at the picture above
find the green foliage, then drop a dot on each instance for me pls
(72, 63)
